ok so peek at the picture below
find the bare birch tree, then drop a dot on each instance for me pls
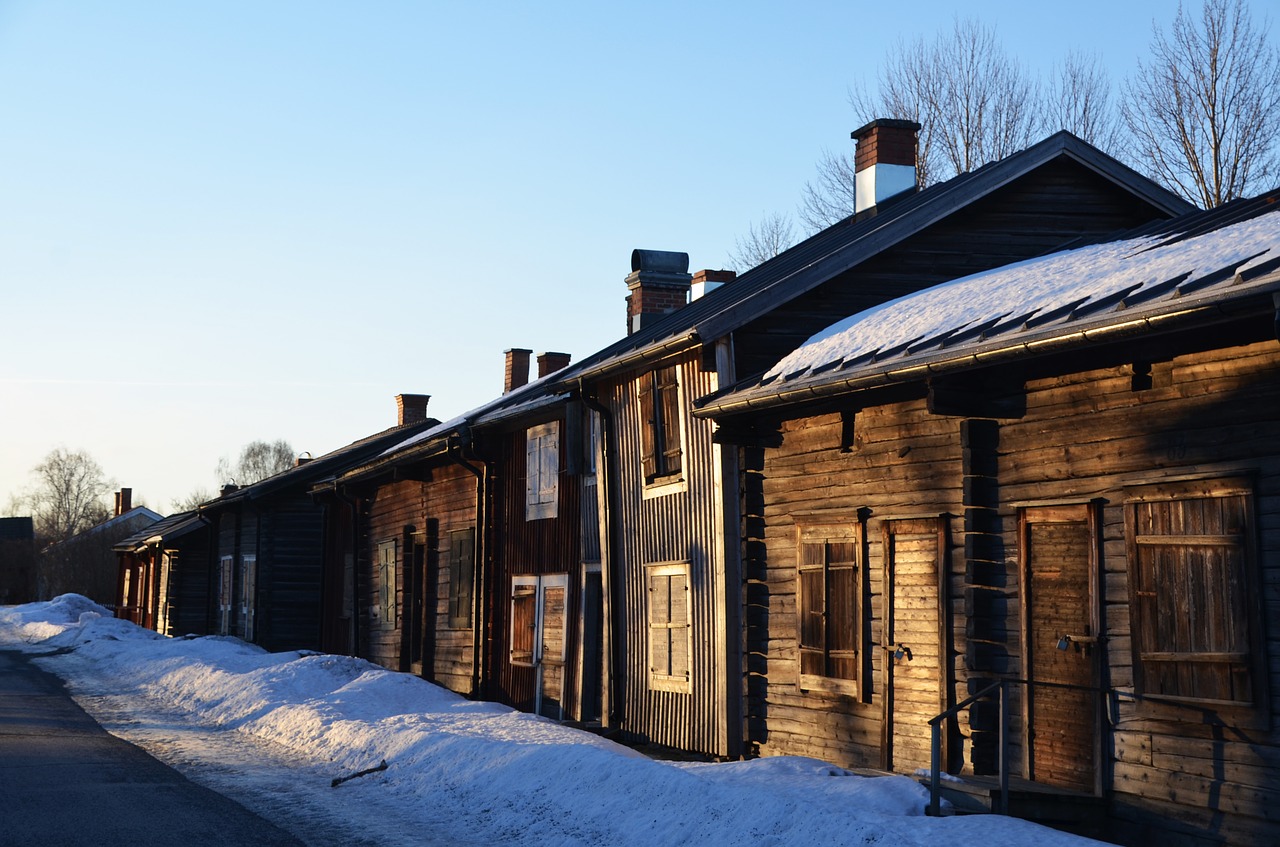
(1078, 99)
(973, 102)
(764, 240)
(1204, 112)
(68, 495)
(258, 460)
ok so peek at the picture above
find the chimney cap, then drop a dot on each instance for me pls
(662, 261)
(887, 123)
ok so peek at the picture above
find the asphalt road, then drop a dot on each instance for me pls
(66, 781)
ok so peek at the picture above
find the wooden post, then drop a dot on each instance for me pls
(935, 766)
(1003, 764)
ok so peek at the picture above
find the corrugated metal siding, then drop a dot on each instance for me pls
(545, 546)
(676, 527)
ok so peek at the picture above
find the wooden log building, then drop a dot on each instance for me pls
(1062, 475)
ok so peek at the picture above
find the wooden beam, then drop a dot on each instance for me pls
(977, 398)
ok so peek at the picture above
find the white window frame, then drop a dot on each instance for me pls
(680, 683)
(226, 594)
(542, 471)
(539, 584)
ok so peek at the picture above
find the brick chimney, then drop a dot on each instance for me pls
(549, 363)
(885, 161)
(124, 501)
(411, 408)
(517, 369)
(706, 281)
(659, 282)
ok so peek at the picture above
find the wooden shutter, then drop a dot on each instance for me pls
(387, 583)
(669, 630)
(524, 619)
(1190, 563)
(461, 577)
(648, 428)
(828, 605)
(669, 426)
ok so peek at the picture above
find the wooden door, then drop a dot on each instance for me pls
(1059, 556)
(914, 640)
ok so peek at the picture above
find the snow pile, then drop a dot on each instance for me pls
(500, 775)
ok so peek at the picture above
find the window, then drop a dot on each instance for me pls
(461, 575)
(542, 471)
(660, 425)
(1192, 587)
(538, 605)
(669, 630)
(226, 572)
(248, 592)
(385, 610)
(827, 603)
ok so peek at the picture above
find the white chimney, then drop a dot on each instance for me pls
(885, 161)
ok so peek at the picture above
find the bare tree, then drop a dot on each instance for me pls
(1204, 113)
(258, 460)
(198, 495)
(973, 102)
(68, 495)
(763, 241)
(1078, 99)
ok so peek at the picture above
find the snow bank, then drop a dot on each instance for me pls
(512, 777)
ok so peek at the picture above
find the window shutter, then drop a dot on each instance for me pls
(461, 575)
(524, 610)
(811, 605)
(1190, 598)
(549, 471)
(533, 469)
(670, 421)
(648, 427)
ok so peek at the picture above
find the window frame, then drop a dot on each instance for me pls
(226, 593)
(1246, 578)
(535, 592)
(542, 471)
(658, 680)
(827, 533)
(248, 596)
(661, 404)
(461, 572)
(387, 566)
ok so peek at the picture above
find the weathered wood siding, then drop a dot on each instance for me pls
(681, 525)
(1173, 773)
(290, 551)
(1090, 435)
(903, 463)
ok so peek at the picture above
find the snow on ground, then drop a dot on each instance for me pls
(273, 730)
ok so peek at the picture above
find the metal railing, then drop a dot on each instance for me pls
(1002, 759)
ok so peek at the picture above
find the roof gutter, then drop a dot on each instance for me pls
(630, 360)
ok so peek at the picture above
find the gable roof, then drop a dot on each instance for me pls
(321, 467)
(849, 243)
(138, 516)
(166, 529)
(527, 399)
(1199, 268)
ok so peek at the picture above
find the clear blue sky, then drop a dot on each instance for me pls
(222, 221)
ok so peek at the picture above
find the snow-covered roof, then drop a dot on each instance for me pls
(1166, 268)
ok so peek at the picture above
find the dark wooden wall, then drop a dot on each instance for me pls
(1031, 216)
(904, 463)
(444, 503)
(1088, 436)
(530, 547)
